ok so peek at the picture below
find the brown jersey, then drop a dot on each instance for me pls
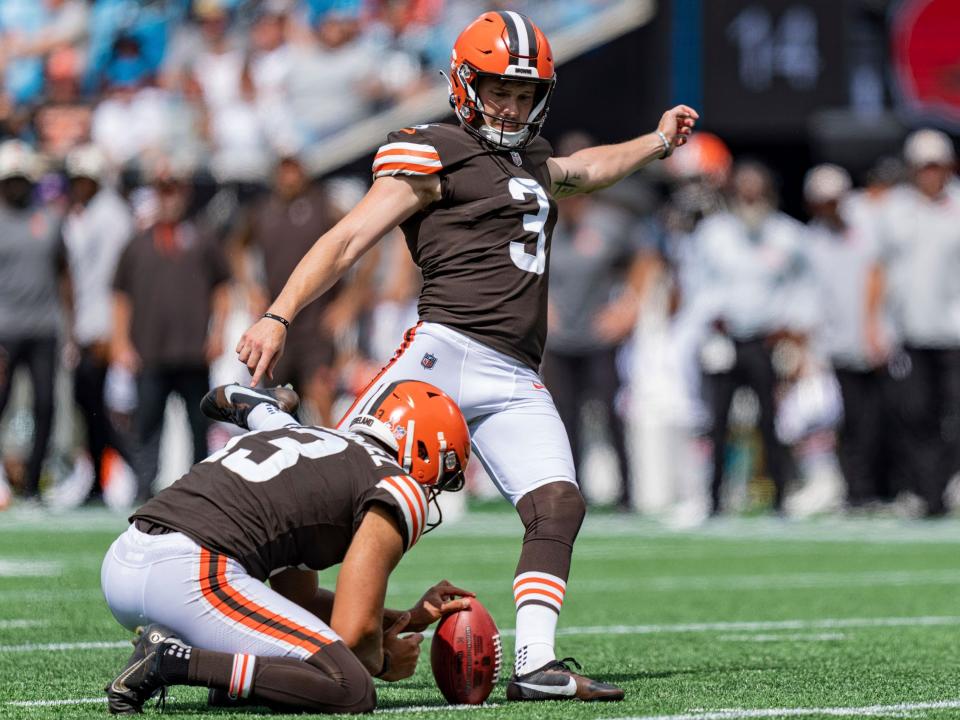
(292, 497)
(484, 247)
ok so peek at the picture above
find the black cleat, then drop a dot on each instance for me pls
(556, 681)
(233, 403)
(140, 678)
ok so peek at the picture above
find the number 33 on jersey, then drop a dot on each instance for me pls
(483, 248)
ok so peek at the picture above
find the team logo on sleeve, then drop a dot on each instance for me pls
(428, 361)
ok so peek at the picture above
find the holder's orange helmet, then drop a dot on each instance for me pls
(425, 428)
(508, 46)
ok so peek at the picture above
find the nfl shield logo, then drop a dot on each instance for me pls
(515, 156)
(428, 361)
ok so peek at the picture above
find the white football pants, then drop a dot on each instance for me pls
(206, 598)
(515, 430)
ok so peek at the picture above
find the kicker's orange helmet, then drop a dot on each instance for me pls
(425, 428)
(508, 46)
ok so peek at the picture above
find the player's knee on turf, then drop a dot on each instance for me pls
(554, 511)
(357, 694)
(330, 681)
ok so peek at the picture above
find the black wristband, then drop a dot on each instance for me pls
(282, 320)
(386, 665)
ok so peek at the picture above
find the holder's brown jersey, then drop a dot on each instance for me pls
(292, 497)
(484, 247)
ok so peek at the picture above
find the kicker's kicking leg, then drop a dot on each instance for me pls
(552, 515)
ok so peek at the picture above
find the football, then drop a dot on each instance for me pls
(466, 654)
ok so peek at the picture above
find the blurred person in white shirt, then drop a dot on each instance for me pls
(920, 262)
(844, 249)
(342, 61)
(753, 259)
(215, 77)
(271, 64)
(134, 117)
(97, 227)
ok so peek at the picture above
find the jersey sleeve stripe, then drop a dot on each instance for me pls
(404, 169)
(410, 159)
(408, 147)
(406, 509)
(413, 503)
(429, 154)
(418, 494)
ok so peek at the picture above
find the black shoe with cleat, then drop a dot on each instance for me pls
(233, 403)
(140, 678)
(556, 681)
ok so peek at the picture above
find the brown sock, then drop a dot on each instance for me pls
(209, 668)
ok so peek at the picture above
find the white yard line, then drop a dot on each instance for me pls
(790, 637)
(61, 647)
(31, 596)
(665, 629)
(384, 711)
(741, 531)
(434, 708)
(53, 703)
(29, 568)
(826, 624)
(860, 711)
(771, 581)
(17, 624)
(797, 580)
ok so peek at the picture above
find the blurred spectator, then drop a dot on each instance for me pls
(96, 229)
(149, 24)
(844, 250)
(921, 267)
(752, 257)
(271, 65)
(134, 118)
(170, 305)
(280, 230)
(399, 32)
(218, 79)
(31, 256)
(602, 265)
(337, 70)
(31, 31)
(63, 120)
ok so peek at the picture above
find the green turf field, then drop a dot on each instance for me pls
(740, 619)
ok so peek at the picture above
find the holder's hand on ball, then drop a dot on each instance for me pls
(403, 652)
(442, 599)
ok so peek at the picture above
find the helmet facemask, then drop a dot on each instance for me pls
(474, 118)
(450, 478)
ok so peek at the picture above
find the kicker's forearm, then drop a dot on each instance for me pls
(607, 164)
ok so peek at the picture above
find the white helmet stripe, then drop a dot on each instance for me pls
(523, 40)
(408, 447)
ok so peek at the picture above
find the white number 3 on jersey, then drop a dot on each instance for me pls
(519, 189)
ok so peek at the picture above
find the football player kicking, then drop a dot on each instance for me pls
(193, 565)
(476, 204)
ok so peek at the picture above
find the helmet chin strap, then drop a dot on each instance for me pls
(504, 138)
